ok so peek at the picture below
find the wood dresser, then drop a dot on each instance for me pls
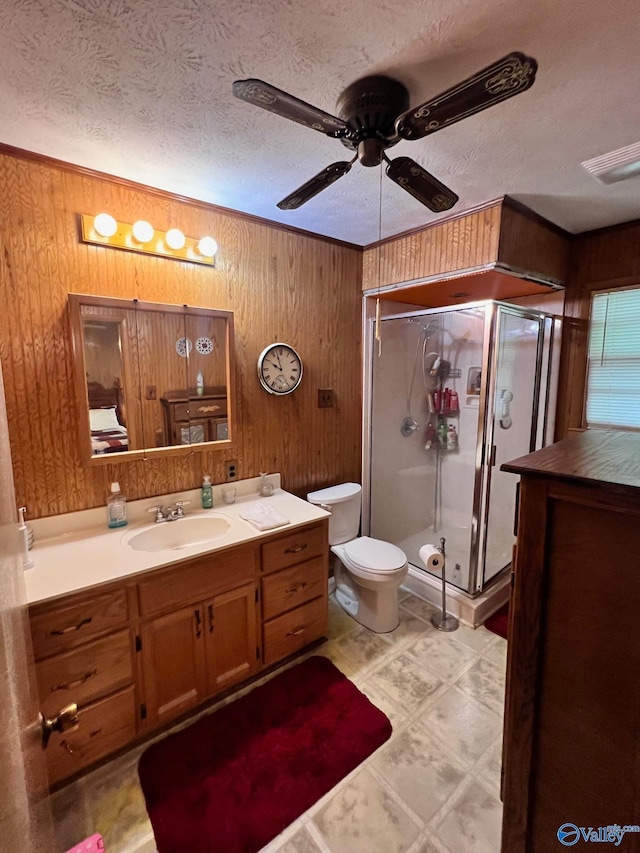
(190, 418)
(571, 750)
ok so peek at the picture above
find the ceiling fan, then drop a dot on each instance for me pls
(373, 114)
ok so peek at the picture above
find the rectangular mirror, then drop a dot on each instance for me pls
(150, 377)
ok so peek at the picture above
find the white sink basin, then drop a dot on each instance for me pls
(179, 534)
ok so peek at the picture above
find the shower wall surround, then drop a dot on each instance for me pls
(434, 474)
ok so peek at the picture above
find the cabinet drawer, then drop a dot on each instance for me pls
(57, 627)
(104, 726)
(289, 588)
(204, 409)
(300, 545)
(285, 634)
(197, 580)
(84, 674)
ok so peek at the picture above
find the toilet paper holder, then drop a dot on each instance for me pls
(442, 620)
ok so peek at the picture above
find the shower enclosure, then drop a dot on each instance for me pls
(453, 393)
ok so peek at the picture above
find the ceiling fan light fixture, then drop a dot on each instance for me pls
(373, 114)
(619, 165)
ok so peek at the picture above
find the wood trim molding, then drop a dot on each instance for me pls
(52, 162)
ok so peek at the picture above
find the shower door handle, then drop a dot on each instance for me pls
(492, 456)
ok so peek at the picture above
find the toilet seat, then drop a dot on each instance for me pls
(374, 555)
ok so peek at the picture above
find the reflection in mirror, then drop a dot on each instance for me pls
(105, 386)
(152, 377)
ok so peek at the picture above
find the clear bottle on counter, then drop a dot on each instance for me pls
(116, 507)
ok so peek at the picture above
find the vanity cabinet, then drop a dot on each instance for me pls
(197, 651)
(294, 591)
(571, 748)
(83, 648)
(137, 654)
(190, 652)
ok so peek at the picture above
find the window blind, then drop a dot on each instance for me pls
(613, 379)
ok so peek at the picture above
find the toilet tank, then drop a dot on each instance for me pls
(345, 502)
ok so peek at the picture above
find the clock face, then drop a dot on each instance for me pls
(279, 369)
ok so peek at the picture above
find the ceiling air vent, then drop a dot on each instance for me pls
(615, 166)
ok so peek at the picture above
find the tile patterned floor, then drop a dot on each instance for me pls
(432, 788)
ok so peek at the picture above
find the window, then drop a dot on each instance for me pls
(613, 377)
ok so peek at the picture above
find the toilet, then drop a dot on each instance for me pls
(368, 571)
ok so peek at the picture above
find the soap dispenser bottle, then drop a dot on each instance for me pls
(116, 507)
(207, 492)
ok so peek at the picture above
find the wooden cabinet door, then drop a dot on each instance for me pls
(173, 663)
(230, 637)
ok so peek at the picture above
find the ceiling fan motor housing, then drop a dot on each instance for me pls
(370, 107)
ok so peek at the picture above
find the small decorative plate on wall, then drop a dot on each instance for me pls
(183, 347)
(205, 346)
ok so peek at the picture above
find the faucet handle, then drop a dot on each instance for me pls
(179, 507)
(159, 511)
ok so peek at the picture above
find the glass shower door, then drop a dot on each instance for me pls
(515, 395)
(423, 449)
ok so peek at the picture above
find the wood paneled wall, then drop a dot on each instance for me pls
(503, 232)
(281, 285)
(467, 241)
(601, 260)
(530, 244)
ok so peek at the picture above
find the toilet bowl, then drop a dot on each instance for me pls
(367, 571)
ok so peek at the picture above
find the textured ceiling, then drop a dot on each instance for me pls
(141, 89)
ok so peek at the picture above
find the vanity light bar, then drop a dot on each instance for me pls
(104, 230)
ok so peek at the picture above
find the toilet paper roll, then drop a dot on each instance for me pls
(432, 558)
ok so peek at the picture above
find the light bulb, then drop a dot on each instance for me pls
(174, 238)
(207, 247)
(143, 231)
(105, 225)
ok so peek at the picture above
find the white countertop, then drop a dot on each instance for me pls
(77, 551)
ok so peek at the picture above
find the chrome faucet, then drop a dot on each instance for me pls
(168, 513)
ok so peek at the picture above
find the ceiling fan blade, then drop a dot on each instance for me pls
(283, 104)
(507, 77)
(318, 183)
(423, 186)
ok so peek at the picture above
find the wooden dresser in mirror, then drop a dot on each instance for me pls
(151, 377)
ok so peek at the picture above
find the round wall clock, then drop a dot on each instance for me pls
(279, 369)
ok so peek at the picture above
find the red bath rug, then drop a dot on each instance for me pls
(498, 622)
(235, 779)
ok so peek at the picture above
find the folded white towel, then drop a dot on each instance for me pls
(264, 517)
